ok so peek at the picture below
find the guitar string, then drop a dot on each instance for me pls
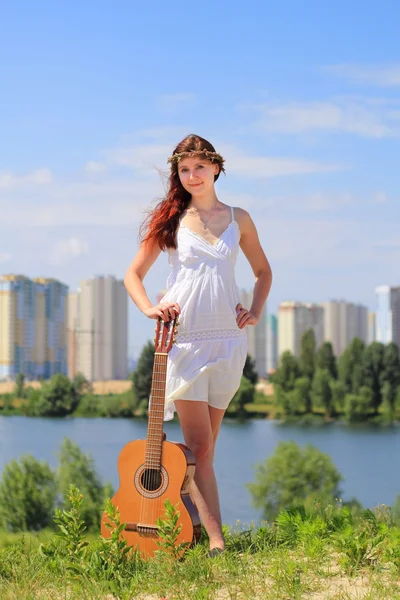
(153, 471)
(161, 370)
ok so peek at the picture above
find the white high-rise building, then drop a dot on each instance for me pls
(272, 343)
(98, 330)
(371, 327)
(294, 318)
(256, 335)
(344, 321)
(388, 314)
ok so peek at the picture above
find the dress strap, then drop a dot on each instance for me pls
(233, 214)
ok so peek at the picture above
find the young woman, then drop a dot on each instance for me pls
(202, 236)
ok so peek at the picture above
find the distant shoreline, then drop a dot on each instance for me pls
(112, 386)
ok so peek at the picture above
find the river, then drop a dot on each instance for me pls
(366, 456)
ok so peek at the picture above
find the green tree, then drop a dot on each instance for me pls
(34, 397)
(144, 373)
(357, 407)
(20, 386)
(78, 468)
(326, 359)
(302, 388)
(244, 395)
(81, 385)
(291, 475)
(373, 367)
(388, 403)
(27, 495)
(90, 406)
(307, 354)
(249, 370)
(350, 366)
(321, 391)
(391, 374)
(287, 372)
(338, 394)
(297, 400)
(58, 398)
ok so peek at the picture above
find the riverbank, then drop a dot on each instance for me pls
(112, 386)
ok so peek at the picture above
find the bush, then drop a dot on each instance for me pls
(291, 475)
(58, 398)
(89, 406)
(27, 494)
(244, 395)
(32, 408)
(77, 468)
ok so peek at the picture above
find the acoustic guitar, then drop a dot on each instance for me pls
(154, 470)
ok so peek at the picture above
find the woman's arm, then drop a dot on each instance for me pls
(146, 256)
(250, 244)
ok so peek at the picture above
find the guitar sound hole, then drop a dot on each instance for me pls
(151, 480)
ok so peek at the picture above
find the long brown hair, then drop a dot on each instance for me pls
(162, 222)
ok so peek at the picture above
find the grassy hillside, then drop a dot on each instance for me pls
(330, 554)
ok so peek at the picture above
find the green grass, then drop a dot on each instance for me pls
(327, 554)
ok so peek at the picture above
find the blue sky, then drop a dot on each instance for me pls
(303, 100)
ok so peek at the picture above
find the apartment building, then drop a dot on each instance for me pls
(388, 314)
(98, 329)
(33, 318)
(294, 318)
(343, 321)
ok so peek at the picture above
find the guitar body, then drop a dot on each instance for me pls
(140, 505)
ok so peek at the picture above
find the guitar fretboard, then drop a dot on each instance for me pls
(156, 412)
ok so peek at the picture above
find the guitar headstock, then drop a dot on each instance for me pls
(165, 334)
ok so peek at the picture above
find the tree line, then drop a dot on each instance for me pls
(62, 397)
(363, 383)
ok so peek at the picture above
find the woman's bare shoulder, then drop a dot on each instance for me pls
(242, 217)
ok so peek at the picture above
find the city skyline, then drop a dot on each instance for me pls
(45, 328)
(340, 320)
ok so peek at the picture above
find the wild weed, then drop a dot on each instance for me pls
(168, 531)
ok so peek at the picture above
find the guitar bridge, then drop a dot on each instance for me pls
(147, 530)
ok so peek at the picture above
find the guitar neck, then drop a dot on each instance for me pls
(156, 412)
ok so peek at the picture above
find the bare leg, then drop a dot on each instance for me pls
(200, 426)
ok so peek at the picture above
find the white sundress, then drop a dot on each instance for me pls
(207, 361)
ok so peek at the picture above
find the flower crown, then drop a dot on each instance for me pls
(204, 154)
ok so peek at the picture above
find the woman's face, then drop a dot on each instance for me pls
(196, 175)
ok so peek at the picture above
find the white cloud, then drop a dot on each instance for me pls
(68, 249)
(346, 115)
(94, 167)
(4, 257)
(146, 158)
(380, 198)
(151, 158)
(9, 180)
(314, 203)
(382, 76)
(263, 167)
(79, 203)
(390, 244)
(175, 102)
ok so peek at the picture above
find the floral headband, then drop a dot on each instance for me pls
(213, 157)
